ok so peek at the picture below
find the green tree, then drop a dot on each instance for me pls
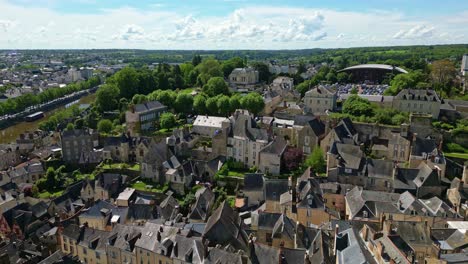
(216, 86)
(196, 60)
(127, 82)
(357, 106)
(106, 97)
(212, 105)
(167, 120)
(411, 80)
(234, 102)
(184, 103)
(303, 87)
(316, 161)
(210, 67)
(253, 102)
(229, 65)
(342, 77)
(223, 105)
(139, 98)
(70, 126)
(199, 104)
(105, 126)
(263, 71)
(167, 98)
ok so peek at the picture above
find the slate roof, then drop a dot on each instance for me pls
(157, 153)
(348, 249)
(149, 106)
(274, 188)
(204, 202)
(351, 156)
(284, 227)
(225, 227)
(124, 237)
(253, 181)
(276, 147)
(221, 256)
(245, 127)
(423, 145)
(418, 95)
(380, 168)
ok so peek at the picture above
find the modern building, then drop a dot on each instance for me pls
(374, 73)
(143, 117)
(320, 99)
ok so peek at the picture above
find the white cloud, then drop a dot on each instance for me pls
(259, 27)
(303, 29)
(187, 29)
(5, 25)
(418, 31)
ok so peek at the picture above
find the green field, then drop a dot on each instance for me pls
(457, 155)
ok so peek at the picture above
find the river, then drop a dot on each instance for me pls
(11, 133)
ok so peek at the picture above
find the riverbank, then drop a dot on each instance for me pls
(11, 133)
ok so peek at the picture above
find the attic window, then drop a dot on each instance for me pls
(365, 214)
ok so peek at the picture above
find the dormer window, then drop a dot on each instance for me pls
(365, 214)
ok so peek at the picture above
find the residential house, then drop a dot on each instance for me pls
(120, 245)
(179, 175)
(103, 215)
(243, 77)
(88, 244)
(272, 191)
(225, 227)
(125, 197)
(253, 188)
(346, 164)
(319, 100)
(271, 99)
(245, 139)
(271, 156)
(209, 125)
(310, 206)
(349, 249)
(152, 163)
(282, 84)
(304, 131)
(77, 144)
(203, 205)
(344, 133)
(108, 186)
(155, 245)
(168, 208)
(9, 156)
(418, 101)
(387, 247)
(310, 131)
(116, 149)
(426, 150)
(417, 235)
(143, 117)
(421, 181)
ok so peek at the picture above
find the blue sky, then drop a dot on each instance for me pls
(230, 24)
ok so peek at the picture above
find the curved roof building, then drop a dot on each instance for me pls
(374, 73)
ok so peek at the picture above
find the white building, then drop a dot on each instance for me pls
(245, 139)
(208, 125)
(464, 72)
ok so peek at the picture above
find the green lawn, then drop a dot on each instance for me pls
(457, 155)
(135, 167)
(47, 195)
(142, 186)
(237, 173)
